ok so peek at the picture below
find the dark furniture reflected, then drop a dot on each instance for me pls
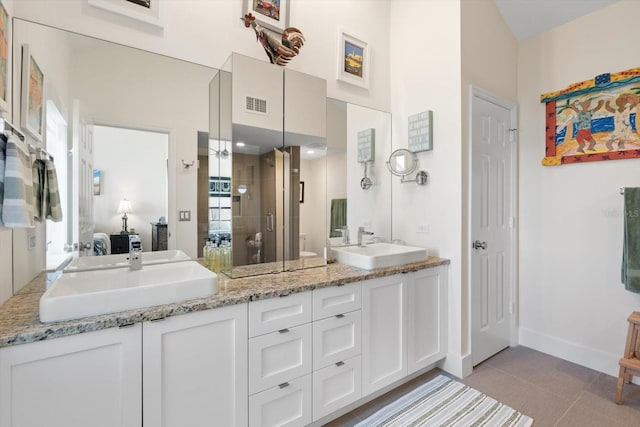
(159, 236)
(119, 243)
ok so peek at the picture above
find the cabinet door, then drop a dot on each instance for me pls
(274, 314)
(278, 357)
(91, 379)
(384, 332)
(427, 298)
(287, 405)
(336, 386)
(336, 338)
(195, 369)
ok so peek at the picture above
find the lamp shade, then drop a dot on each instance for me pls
(124, 206)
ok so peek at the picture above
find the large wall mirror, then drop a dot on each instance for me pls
(266, 158)
(358, 146)
(127, 114)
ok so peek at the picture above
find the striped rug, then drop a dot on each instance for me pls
(445, 402)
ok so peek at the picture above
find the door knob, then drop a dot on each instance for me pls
(479, 245)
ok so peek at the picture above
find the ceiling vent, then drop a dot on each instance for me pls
(256, 105)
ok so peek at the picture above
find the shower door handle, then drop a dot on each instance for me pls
(269, 222)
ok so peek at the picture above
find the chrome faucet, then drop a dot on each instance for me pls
(135, 255)
(361, 232)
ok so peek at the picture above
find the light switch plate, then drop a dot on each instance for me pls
(184, 215)
(423, 228)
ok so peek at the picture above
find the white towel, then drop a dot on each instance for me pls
(17, 204)
(51, 193)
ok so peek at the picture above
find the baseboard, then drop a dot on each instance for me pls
(459, 366)
(597, 360)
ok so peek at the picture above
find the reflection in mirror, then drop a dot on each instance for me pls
(348, 205)
(266, 167)
(91, 82)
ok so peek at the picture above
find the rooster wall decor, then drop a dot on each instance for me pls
(279, 52)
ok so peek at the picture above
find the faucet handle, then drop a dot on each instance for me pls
(344, 232)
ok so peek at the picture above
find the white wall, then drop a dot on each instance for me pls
(571, 217)
(117, 154)
(425, 75)
(207, 31)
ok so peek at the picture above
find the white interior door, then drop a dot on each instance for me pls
(82, 193)
(491, 226)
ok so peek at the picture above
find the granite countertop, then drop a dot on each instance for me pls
(20, 322)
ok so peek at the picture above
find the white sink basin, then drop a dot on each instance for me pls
(76, 295)
(379, 255)
(89, 263)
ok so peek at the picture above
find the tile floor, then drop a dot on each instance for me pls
(552, 391)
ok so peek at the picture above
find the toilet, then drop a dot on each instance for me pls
(303, 252)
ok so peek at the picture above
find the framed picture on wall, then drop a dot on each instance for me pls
(271, 14)
(353, 60)
(32, 96)
(147, 11)
(97, 177)
(593, 120)
(4, 58)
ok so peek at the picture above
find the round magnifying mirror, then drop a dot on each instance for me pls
(402, 162)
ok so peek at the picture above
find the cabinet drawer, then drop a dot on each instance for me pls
(336, 386)
(273, 314)
(336, 339)
(328, 302)
(277, 357)
(287, 405)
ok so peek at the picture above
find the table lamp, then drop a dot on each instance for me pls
(123, 208)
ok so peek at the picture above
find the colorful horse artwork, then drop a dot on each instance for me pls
(594, 120)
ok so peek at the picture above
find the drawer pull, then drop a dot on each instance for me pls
(340, 284)
(284, 295)
(339, 316)
(126, 325)
(285, 330)
(339, 363)
(283, 385)
(158, 319)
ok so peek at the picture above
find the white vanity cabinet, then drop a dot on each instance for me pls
(195, 369)
(403, 325)
(90, 379)
(384, 331)
(427, 317)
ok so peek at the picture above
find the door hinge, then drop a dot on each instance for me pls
(512, 222)
(512, 133)
(512, 307)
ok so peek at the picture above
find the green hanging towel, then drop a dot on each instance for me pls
(631, 247)
(338, 216)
